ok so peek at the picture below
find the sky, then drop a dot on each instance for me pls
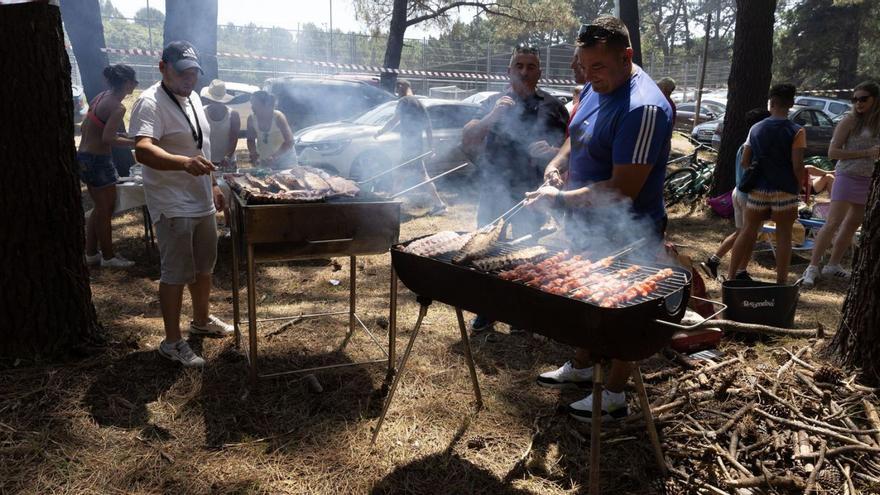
(288, 14)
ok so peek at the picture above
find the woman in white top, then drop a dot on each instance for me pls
(225, 125)
(269, 139)
(856, 147)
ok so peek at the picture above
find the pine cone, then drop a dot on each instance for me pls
(667, 486)
(828, 374)
(831, 479)
(776, 410)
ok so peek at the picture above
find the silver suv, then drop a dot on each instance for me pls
(831, 106)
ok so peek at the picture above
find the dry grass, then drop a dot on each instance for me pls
(126, 421)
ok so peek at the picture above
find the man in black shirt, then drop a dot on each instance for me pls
(518, 132)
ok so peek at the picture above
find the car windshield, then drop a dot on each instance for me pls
(377, 116)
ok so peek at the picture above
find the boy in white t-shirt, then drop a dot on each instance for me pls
(172, 140)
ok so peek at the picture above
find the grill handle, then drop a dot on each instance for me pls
(328, 241)
(695, 325)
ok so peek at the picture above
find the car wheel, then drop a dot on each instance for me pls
(369, 164)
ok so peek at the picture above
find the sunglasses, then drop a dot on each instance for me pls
(527, 49)
(861, 99)
(590, 34)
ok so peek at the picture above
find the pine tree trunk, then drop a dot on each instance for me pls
(748, 84)
(46, 301)
(848, 52)
(195, 21)
(857, 341)
(82, 20)
(628, 12)
(394, 46)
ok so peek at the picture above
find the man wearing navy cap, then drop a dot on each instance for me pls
(172, 140)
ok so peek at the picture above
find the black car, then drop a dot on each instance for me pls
(306, 102)
(817, 124)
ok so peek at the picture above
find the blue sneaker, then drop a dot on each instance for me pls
(480, 324)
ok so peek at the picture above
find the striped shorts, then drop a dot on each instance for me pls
(773, 201)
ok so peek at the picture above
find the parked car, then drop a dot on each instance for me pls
(351, 149)
(479, 98)
(684, 113)
(80, 106)
(562, 95)
(704, 132)
(831, 106)
(306, 102)
(817, 124)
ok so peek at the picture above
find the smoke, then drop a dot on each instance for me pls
(608, 225)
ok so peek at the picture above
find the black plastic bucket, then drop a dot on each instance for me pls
(764, 303)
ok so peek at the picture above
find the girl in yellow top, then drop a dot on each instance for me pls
(269, 138)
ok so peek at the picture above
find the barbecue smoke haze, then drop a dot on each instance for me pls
(608, 225)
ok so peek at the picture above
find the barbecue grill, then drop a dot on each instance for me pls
(339, 226)
(632, 331)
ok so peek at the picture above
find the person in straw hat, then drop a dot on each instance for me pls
(225, 124)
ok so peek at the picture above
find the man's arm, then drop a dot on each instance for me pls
(476, 130)
(148, 152)
(558, 164)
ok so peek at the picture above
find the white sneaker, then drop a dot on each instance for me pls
(811, 274)
(567, 376)
(116, 262)
(836, 271)
(94, 259)
(181, 352)
(215, 326)
(613, 407)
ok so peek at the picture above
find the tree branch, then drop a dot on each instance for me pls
(483, 6)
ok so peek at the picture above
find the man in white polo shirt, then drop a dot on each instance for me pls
(171, 136)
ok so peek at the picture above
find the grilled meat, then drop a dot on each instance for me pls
(343, 187)
(480, 244)
(503, 261)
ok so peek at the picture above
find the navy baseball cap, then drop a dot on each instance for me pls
(182, 56)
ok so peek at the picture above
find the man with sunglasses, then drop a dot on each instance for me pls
(616, 162)
(172, 140)
(517, 126)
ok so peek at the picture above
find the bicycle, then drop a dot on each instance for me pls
(693, 180)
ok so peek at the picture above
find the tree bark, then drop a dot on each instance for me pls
(628, 12)
(748, 84)
(847, 50)
(857, 341)
(394, 47)
(46, 301)
(82, 20)
(195, 21)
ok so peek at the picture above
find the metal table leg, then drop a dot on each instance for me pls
(596, 429)
(649, 419)
(252, 314)
(465, 341)
(352, 300)
(423, 309)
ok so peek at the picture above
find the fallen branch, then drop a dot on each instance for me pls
(814, 429)
(735, 326)
(770, 481)
(811, 481)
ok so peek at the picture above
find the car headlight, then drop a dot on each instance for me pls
(328, 147)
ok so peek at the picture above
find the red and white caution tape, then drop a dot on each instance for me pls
(475, 76)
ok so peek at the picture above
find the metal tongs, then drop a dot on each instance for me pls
(507, 215)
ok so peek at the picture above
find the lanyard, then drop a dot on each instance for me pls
(197, 136)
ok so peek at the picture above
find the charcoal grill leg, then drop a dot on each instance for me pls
(649, 419)
(352, 300)
(236, 310)
(466, 343)
(392, 330)
(252, 314)
(596, 430)
(423, 309)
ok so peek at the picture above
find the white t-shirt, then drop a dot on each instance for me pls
(173, 193)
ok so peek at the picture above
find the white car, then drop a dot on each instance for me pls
(351, 149)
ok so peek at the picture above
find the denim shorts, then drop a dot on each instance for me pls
(96, 171)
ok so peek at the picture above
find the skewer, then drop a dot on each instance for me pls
(432, 179)
(392, 169)
(629, 247)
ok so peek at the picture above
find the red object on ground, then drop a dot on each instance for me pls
(687, 341)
